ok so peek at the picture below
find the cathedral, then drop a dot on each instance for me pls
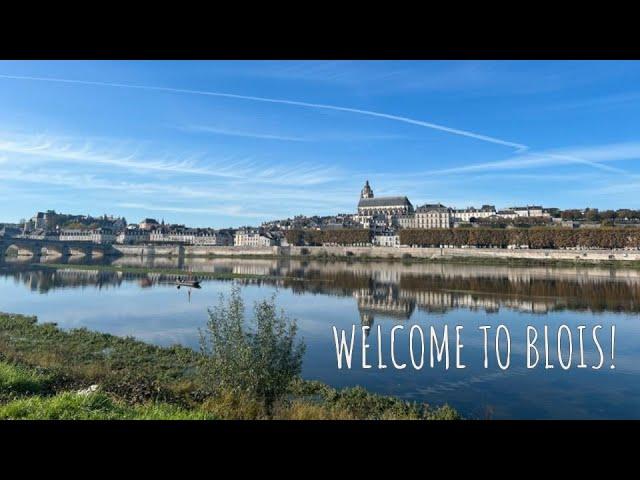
(382, 206)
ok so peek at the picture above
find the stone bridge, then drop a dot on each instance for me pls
(37, 248)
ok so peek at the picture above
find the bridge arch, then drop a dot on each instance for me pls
(19, 250)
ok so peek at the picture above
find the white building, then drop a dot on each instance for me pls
(191, 236)
(211, 237)
(186, 236)
(508, 213)
(131, 236)
(42, 234)
(428, 216)
(469, 213)
(530, 211)
(99, 235)
(252, 238)
(386, 240)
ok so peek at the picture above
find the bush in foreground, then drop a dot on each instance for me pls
(257, 359)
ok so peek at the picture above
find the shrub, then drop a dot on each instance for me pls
(227, 405)
(356, 402)
(257, 359)
(345, 236)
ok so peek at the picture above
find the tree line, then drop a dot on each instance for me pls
(595, 215)
(347, 236)
(531, 237)
(535, 237)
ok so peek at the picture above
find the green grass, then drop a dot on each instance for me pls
(42, 366)
(16, 379)
(125, 367)
(95, 406)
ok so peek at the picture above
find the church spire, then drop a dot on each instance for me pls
(366, 191)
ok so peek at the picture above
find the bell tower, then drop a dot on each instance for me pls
(366, 191)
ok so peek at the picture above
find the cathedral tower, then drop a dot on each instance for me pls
(366, 191)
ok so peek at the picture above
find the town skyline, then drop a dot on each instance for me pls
(228, 144)
(362, 218)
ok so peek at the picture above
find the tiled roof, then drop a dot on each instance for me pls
(384, 202)
(431, 207)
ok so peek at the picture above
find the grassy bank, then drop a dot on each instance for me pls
(45, 373)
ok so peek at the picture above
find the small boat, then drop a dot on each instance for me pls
(188, 282)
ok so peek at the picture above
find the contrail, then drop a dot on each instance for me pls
(519, 147)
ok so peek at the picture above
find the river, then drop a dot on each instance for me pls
(322, 295)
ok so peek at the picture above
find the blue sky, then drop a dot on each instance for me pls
(226, 143)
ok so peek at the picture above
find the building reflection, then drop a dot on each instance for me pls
(380, 290)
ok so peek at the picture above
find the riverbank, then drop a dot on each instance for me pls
(444, 259)
(497, 256)
(49, 373)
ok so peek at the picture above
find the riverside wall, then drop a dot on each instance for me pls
(376, 252)
(195, 250)
(149, 250)
(210, 251)
(434, 253)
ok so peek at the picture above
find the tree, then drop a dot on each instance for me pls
(592, 214)
(572, 214)
(257, 359)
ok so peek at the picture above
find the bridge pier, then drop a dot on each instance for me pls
(77, 252)
(26, 252)
(53, 251)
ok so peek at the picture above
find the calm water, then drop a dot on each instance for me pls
(321, 295)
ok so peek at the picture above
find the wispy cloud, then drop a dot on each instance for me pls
(240, 133)
(241, 193)
(320, 106)
(317, 137)
(590, 156)
(50, 149)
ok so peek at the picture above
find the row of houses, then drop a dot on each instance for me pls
(244, 237)
(381, 214)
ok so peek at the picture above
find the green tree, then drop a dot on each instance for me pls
(257, 359)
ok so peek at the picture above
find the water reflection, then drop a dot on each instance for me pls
(392, 290)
